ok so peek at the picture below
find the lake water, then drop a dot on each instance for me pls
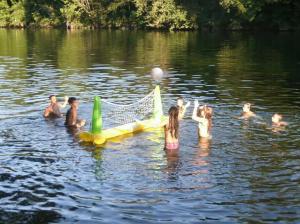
(248, 173)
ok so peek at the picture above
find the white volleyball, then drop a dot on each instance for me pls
(157, 74)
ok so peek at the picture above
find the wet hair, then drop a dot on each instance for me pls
(173, 121)
(207, 114)
(71, 100)
(51, 96)
(200, 109)
(204, 109)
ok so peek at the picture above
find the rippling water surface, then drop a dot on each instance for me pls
(248, 173)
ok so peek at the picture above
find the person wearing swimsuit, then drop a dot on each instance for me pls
(171, 130)
(53, 109)
(71, 116)
(247, 113)
(203, 115)
(277, 120)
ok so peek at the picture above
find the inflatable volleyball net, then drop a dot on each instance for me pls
(146, 113)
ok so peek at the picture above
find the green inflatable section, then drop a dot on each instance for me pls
(97, 113)
(97, 116)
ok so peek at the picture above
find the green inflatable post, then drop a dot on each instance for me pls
(158, 110)
(97, 116)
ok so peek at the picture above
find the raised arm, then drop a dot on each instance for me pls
(194, 116)
(184, 108)
(187, 105)
(65, 103)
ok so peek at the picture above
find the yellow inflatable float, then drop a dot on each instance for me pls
(98, 136)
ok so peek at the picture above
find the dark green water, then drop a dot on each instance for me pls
(249, 173)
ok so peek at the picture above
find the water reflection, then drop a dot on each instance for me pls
(173, 163)
(247, 173)
(202, 155)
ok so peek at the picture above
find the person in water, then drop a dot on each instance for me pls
(71, 117)
(172, 129)
(203, 115)
(247, 113)
(182, 108)
(277, 120)
(53, 109)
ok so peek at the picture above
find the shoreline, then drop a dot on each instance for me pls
(210, 30)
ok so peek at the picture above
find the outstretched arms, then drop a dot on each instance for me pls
(65, 102)
(183, 110)
(194, 116)
(187, 104)
(185, 107)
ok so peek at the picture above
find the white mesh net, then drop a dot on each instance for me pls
(123, 114)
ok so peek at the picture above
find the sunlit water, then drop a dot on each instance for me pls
(248, 173)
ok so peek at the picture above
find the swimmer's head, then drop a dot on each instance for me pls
(52, 98)
(173, 111)
(73, 101)
(276, 118)
(246, 107)
(201, 111)
(180, 101)
(204, 111)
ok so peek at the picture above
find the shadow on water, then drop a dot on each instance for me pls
(203, 151)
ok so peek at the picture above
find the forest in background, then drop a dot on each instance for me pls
(152, 14)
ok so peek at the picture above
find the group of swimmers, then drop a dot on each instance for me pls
(53, 111)
(276, 118)
(203, 115)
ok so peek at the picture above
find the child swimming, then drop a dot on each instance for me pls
(171, 130)
(53, 109)
(182, 108)
(247, 113)
(203, 115)
(277, 120)
(71, 117)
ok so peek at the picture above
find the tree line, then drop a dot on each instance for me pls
(152, 14)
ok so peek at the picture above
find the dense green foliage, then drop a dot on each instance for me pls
(153, 14)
